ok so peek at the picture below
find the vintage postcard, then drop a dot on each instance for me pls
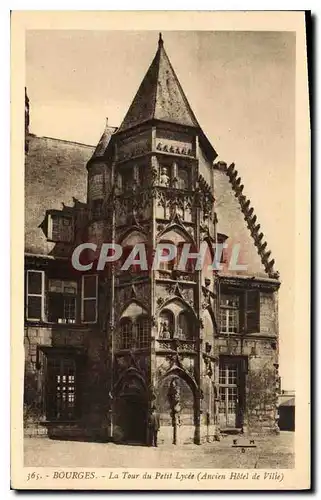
(160, 220)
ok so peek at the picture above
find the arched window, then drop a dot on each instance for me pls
(134, 268)
(184, 326)
(190, 263)
(166, 265)
(182, 177)
(142, 331)
(125, 340)
(166, 324)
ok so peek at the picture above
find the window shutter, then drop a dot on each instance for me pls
(35, 295)
(89, 298)
(243, 315)
(252, 311)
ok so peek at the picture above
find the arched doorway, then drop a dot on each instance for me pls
(186, 420)
(131, 412)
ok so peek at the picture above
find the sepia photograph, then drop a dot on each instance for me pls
(159, 265)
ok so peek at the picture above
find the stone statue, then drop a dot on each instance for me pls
(165, 333)
(174, 398)
(164, 178)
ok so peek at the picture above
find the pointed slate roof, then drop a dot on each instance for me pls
(103, 142)
(160, 96)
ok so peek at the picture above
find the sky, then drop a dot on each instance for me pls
(241, 87)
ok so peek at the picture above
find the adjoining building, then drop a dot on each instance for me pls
(103, 347)
(286, 420)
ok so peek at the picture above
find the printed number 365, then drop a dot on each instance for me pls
(33, 475)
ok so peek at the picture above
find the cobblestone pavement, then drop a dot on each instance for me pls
(270, 452)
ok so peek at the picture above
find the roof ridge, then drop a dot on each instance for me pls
(187, 104)
(63, 140)
(160, 46)
(250, 218)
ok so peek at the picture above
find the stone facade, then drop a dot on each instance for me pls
(103, 347)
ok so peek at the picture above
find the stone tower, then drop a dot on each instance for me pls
(199, 343)
(154, 184)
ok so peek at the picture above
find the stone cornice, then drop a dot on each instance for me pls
(249, 282)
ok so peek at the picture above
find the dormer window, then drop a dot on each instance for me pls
(60, 227)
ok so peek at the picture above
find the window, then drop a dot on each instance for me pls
(62, 301)
(229, 313)
(184, 324)
(191, 261)
(127, 179)
(182, 178)
(134, 333)
(228, 381)
(95, 186)
(89, 298)
(133, 268)
(252, 311)
(124, 340)
(60, 227)
(142, 331)
(97, 209)
(35, 295)
(61, 389)
(240, 311)
(166, 265)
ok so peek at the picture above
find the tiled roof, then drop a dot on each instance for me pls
(237, 219)
(160, 96)
(104, 141)
(55, 174)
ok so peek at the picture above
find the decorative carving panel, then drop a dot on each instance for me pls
(134, 146)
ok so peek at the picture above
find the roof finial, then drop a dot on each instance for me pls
(106, 121)
(160, 41)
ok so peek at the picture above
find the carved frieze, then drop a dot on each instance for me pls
(133, 147)
(173, 201)
(175, 147)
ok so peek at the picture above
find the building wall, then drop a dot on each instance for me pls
(148, 371)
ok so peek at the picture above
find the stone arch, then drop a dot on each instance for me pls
(180, 302)
(131, 237)
(130, 374)
(185, 325)
(134, 326)
(133, 308)
(187, 398)
(176, 234)
(177, 307)
(166, 323)
(130, 408)
(128, 240)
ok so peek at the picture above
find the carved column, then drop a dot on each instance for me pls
(175, 406)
